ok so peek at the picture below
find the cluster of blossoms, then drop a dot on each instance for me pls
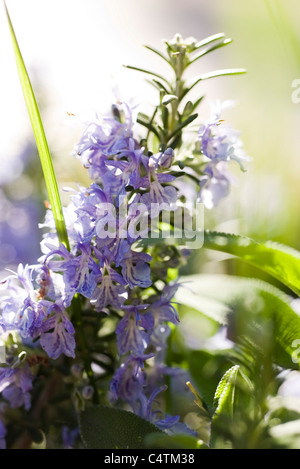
(108, 267)
(102, 266)
(219, 144)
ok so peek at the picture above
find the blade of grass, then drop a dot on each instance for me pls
(41, 141)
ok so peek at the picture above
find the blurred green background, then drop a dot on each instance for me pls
(72, 50)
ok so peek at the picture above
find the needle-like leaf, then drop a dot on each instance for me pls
(209, 40)
(225, 42)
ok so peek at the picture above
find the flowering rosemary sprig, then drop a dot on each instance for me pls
(99, 274)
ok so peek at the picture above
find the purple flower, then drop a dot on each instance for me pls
(219, 142)
(131, 167)
(162, 309)
(214, 184)
(69, 437)
(170, 424)
(79, 272)
(166, 158)
(16, 385)
(131, 331)
(57, 333)
(136, 270)
(103, 139)
(158, 197)
(129, 380)
(173, 426)
(24, 317)
(110, 290)
(90, 210)
(21, 309)
(213, 146)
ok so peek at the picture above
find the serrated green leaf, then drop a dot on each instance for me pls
(41, 141)
(225, 392)
(279, 261)
(108, 428)
(206, 369)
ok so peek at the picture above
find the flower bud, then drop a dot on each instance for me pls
(87, 392)
(76, 370)
(167, 158)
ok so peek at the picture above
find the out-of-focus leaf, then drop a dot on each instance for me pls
(256, 311)
(286, 435)
(282, 262)
(108, 428)
(164, 441)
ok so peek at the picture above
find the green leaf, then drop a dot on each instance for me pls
(197, 102)
(162, 56)
(164, 441)
(279, 261)
(182, 125)
(224, 402)
(208, 40)
(286, 435)
(225, 42)
(168, 98)
(207, 369)
(108, 428)
(256, 312)
(148, 126)
(41, 141)
(148, 72)
(207, 76)
(158, 85)
(220, 73)
(225, 392)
